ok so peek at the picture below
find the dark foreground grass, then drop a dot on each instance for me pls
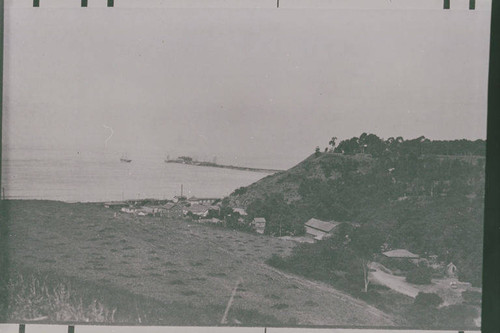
(48, 298)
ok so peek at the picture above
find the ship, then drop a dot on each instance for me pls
(125, 159)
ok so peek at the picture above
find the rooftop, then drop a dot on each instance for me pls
(197, 208)
(241, 211)
(322, 225)
(401, 253)
(169, 205)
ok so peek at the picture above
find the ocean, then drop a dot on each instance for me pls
(74, 176)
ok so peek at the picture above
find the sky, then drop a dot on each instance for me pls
(241, 83)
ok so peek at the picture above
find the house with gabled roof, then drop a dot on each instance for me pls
(402, 255)
(319, 229)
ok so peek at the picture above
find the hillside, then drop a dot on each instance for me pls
(158, 271)
(288, 182)
(426, 196)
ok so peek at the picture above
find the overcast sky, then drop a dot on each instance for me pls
(236, 82)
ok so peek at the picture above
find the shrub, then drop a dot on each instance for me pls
(276, 261)
(419, 275)
(311, 303)
(240, 191)
(280, 306)
(472, 297)
(34, 298)
(458, 315)
(428, 300)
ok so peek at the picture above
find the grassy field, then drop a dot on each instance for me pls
(158, 271)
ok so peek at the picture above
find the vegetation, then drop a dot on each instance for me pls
(372, 144)
(127, 262)
(428, 299)
(472, 297)
(241, 190)
(424, 196)
(419, 275)
(282, 218)
(340, 260)
(457, 316)
(32, 298)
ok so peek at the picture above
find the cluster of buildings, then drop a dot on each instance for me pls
(177, 208)
(199, 208)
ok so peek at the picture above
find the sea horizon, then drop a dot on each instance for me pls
(99, 176)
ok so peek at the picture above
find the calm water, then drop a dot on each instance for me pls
(90, 176)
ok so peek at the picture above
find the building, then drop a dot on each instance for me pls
(143, 211)
(128, 210)
(240, 211)
(213, 220)
(172, 210)
(196, 209)
(116, 204)
(451, 270)
(202, 201)
(318, 229)
(402, 255)
(259, 224)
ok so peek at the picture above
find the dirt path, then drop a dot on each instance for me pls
(396, 283)
(336, 293)
(441, 287)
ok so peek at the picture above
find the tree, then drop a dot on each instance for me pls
(317, 151)
(332, 142)
(366, 241)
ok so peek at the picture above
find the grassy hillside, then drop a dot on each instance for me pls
(421, 195)
(152, 270)
(287, 183)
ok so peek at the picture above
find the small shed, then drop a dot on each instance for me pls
(318, 229)
(259, 224)
(451, 270)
